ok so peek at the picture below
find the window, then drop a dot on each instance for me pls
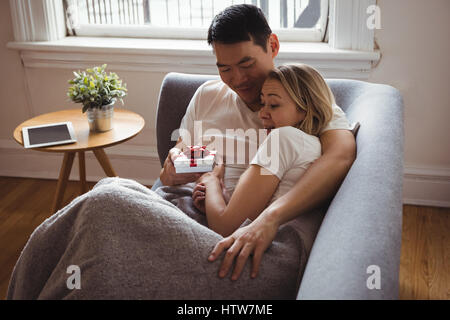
(295, 20)
(40, 35)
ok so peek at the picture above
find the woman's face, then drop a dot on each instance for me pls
(278, 108)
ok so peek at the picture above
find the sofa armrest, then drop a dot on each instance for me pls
(363, 224)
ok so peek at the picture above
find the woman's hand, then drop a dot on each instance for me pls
(198, 196)
(199, 192)
(216, 174)
(253, 239)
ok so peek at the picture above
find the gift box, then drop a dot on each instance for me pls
(195, 159)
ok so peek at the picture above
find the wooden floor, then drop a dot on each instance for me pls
(424, 265)
(425, 258)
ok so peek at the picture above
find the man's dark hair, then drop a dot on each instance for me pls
(242, 22)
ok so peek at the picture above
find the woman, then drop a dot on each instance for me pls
(296, 105)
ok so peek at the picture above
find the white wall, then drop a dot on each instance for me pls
(414, 44)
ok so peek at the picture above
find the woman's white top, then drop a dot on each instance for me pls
(286, 153)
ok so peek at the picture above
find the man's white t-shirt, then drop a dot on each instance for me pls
(217, 118)
(286, 153)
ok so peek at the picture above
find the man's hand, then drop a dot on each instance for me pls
(252, 239)
(168, 175)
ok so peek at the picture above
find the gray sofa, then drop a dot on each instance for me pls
(359, 240)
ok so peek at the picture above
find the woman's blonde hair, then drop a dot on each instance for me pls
(310, 93)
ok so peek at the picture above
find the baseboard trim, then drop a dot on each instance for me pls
(426, 186)
(89, 178)
(426, 203)
(137, 162)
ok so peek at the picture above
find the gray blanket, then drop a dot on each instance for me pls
(129, 242)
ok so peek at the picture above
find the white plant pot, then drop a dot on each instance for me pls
(101, 119)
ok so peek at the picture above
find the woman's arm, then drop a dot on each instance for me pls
(251, 195)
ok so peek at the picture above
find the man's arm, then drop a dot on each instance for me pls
(168, 176)
(322, 179)
(318, 184)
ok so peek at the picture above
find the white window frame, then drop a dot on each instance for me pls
(348, 25)
(40, 36)
(38, 20)
(315, 34)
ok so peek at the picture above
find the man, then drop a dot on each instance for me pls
(245, 48)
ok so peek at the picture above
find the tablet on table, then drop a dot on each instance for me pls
(48, 135)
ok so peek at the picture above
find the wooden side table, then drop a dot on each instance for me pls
(126, 125)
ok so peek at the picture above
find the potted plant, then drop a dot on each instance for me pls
(97, 91)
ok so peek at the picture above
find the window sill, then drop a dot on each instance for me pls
(190, 56)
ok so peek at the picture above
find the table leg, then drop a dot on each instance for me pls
(62, 180)
(82, 165)
(104, 162)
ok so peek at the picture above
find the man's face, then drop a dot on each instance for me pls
(244, 66)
